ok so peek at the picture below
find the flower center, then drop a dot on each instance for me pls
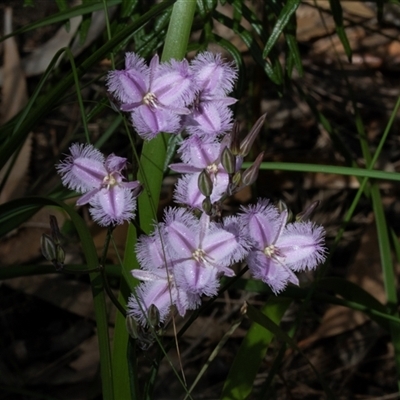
(150, 99)
(199, 255)
(110, 181)
(212, 168)
(271, 251)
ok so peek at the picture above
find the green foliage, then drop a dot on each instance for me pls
(270, 41)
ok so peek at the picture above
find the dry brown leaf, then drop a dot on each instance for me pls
(14, 98)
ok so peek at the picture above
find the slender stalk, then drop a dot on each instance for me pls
(150, 175)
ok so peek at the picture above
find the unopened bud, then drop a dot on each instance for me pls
(137, 191)
(306, 214)
(205, 183)
(206, 205)
(154, 316)
(247, 142)
(52, 251)
(228, 161)
(132, 327)
(282, 207)
(235, 142)
(54, 229)
(237, 178)
(250, 175)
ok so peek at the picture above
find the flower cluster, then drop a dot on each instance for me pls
(101, 182)
(170, 97)
(184, 257)
(194, 246)
(183, 260)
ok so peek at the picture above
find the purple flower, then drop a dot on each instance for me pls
(279, 249)
(101, 182)
(203, 250)
(200, 154)
(160, 287)
(214, 79)
(156, 95)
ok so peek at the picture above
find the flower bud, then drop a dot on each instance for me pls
(132, 327)
(247, 142)
(235, 144)
(52, 251)
(282, 207)
(154, 316)
(306, 214)
(228, 161)
(137, 191)
(250, 175)
(207, 206)
(205, 183)
(236, 179)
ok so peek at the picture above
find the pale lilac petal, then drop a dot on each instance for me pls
(199, 152)
(219, 246)
(270, 271)
(232, 224)
(155, 292)
(195, 278)
(185, 168)
(174, 85)
(212, 74)
(211, 118)
(302, 245)
(147, 276)
(181, 239)
(84, 169)
(114, 163)
(151, 251)
(149, 123)
(187, 190)
(113, 206)
(128, 87)
(261, 221)
(86, 198)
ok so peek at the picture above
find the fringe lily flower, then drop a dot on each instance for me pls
(200, 154)
(155, 96)
(214, 79)
(101, 182)
(203, 250)
(280, 249)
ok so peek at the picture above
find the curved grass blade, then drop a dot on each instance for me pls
(47, 102)
(284, 17)
(273, 327)
(62, 16)
(337, 13)
(273, 70)
(239, 383)
(150, 174)
(89, 250)
(327, 169)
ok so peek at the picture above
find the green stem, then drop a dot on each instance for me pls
(150, 175)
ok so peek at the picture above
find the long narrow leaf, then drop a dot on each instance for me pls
(239, 383)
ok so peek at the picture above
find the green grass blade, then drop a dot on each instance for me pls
(284, 17)
(62, 16)
(327, 169)
(239, 383)
(89, 250)
(337, 13)
(389, 277)
(150, 174)
(51, 99)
